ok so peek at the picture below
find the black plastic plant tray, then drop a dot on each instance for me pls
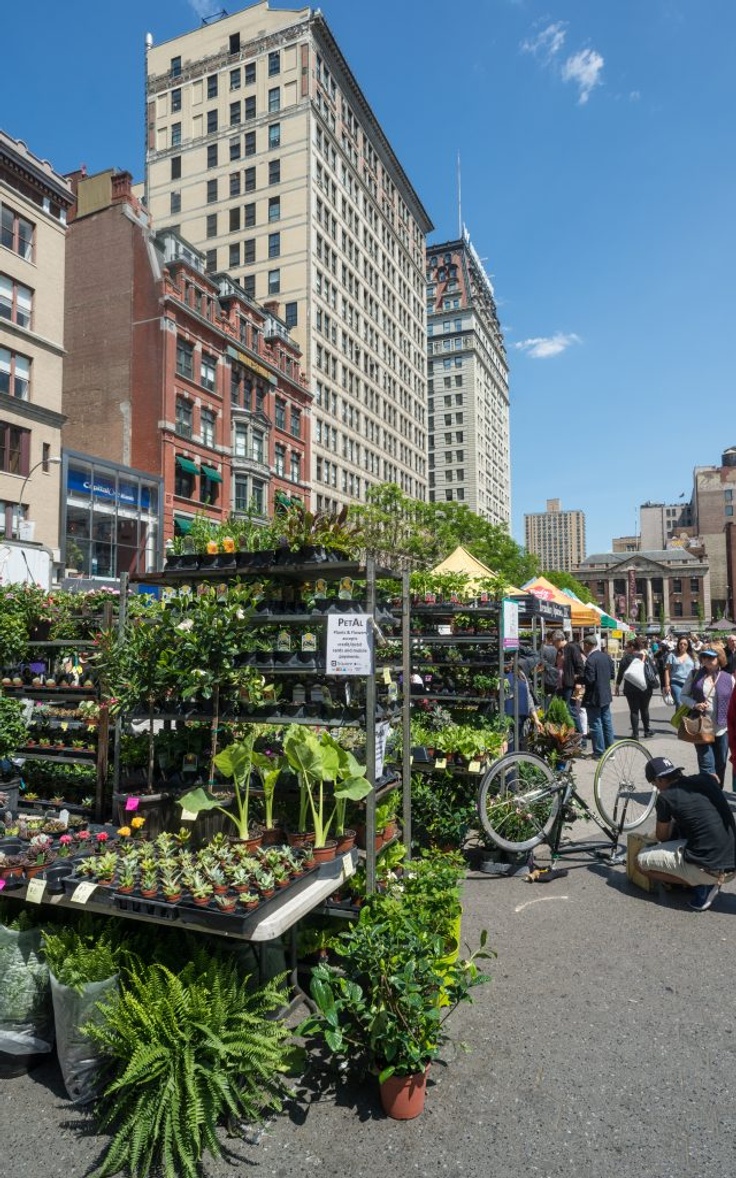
(102, 895)
(142, 906)
(239, 921)
(54, 877)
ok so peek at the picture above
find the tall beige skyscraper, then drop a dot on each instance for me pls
(467, 386)
(264, 152)
(557, 537)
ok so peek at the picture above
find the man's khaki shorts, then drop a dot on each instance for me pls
(669, 859)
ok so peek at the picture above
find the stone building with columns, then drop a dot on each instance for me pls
(653, 590)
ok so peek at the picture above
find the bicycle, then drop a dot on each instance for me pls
(523, 802)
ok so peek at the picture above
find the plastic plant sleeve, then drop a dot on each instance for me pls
(26, 1016)
(79, 1059)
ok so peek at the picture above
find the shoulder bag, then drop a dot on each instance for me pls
(650, 673)
(696, 729)
(634, 674)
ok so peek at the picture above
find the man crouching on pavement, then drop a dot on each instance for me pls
(695, 831)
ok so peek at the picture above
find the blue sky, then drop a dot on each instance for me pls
(596, 140)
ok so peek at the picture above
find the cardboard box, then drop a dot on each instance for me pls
(634, 843)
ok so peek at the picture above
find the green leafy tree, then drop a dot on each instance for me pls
(567, 581)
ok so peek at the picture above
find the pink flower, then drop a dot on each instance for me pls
(65, 840)
(83, 835)
(101, 836)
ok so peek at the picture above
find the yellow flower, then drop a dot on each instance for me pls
(228, 544)
(137, 822)
(212, 547)
(125, 832)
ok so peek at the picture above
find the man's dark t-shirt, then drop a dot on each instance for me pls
(703, 817)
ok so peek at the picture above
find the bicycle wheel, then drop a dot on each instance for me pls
(518, 801)
(623, 795)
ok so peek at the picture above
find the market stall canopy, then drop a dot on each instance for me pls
(580, 614)
(607, 622)
(462, 561)
(723, 624)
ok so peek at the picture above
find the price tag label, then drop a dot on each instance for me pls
(35, 891)
(441, 763)
(188, 815)
(132, 803)
(474, 767)
(386, 675)
(81, 894)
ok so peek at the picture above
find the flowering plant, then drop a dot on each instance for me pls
(65, 845)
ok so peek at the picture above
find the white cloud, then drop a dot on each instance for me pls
(584, 69)
(543, 347)
(547, 43)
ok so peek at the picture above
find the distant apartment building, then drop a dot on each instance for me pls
(195, 405)
(264, 153)
(714, 489)
(557, 537)
(659, 522)
(467, 385)
(626, 544)
(33, 210)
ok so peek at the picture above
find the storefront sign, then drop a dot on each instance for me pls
(510, 627)
(79, 482)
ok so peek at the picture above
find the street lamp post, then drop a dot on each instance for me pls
(55, 461)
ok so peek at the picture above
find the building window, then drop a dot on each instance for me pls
(274, 281)
(234, 43)
(16, 301)
(211, 121)
(274, 100)
(210, 261)
(175, 134)
(250, 108)
(249, 180)
(291, 314)
(280, 414)
(240, 441)
(249, 251)
(274, 245)
(240, 493)
(175, 167)
(274, 208)
(15, 447)
(184, 417)
(212, 225)
(250, 73)
(295, 467)
(175, 70)
(211, 192)
(212, 155)
(694, 584)
(249, 285)
(234, 255)
(677, 585)
(258, 446)
(235, 113)
(296, 423)
(184, 478)
(208, 427)
(274, 135)
(677, 610)
(235, 79)
(257, 496)
(274, 171)
(279, 459)
(212, 86)
(15, 374)
(250, 143)
(234, 185)
(175, 100)
(274, 63)
(175, 202)
(185, 358)
(728, 509)
(235, 148)
(249, 215)
(207, 371)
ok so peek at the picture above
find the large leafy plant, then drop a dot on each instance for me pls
(188, 1051)
(329, 776)
(235, 763)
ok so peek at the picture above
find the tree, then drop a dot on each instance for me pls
(566, 581)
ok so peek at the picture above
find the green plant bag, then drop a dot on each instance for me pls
(79, 1059)
(26, 1018)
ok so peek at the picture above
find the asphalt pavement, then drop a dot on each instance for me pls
(602, 1048)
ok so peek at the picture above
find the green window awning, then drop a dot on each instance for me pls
(187, 465)
(182, 526)
(210, 473)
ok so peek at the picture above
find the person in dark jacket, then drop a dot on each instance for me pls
(636, 697)
(570, 663)
(597, 678)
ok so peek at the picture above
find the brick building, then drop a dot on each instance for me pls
(174, 373)
(670, 587)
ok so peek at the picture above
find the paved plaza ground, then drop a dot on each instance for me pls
(603, 1048)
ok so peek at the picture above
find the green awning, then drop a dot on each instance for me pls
(187, 465)
(182, 526)
(210, 473)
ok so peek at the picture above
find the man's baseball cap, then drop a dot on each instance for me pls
(661, 767)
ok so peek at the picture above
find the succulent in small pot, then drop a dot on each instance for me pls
(226, 902)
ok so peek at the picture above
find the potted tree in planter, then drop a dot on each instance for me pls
(383, 1010)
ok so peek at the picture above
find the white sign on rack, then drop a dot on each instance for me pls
(349, 644)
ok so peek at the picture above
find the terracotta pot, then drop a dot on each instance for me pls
(32, 869)
(389, 831)
(273, 836)
(345, 842)
(201, 901)
(148, 893)
(402, 1097)
(326, 853)
(299, 838)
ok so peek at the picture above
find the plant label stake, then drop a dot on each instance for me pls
(35, 891)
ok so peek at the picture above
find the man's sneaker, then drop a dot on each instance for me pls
(703, 897)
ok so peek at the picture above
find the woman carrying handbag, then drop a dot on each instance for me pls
(707, 690)
(632, 673)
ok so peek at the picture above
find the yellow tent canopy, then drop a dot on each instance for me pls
(581, 615)
(462, 561)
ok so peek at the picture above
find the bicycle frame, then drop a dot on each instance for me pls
(609, 850)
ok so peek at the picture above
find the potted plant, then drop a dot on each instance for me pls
(317, 762)
(381, 1009)
(13, 735)
(235, 763)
